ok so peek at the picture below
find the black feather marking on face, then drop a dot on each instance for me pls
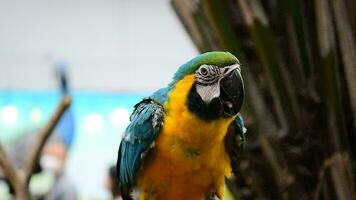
(196, 105)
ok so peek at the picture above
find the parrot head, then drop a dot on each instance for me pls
(218, 89)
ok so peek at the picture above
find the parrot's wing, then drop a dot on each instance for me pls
(139, 136)
(234, 140)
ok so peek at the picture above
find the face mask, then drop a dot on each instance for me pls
(51, 164)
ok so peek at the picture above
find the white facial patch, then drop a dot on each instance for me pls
(208, 80)
(209, 92)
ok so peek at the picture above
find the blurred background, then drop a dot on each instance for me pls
(298, 62)
(112, 54)
(299, 65)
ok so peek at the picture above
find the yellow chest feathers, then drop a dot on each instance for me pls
(188, 137)
(189, 158)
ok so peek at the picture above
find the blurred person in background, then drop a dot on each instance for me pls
(53, 162)
(112, 183)
(48, 180)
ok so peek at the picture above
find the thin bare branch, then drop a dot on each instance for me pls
(8, 169)
(43, 136)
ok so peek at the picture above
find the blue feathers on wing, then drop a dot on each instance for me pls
(146, 122)
(234, 141)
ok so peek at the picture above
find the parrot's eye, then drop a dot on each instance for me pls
(207, 74)
(203, 71)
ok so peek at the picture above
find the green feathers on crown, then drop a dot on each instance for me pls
(217, 58)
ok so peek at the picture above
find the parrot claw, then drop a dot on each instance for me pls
(212, 196)
(215, 198)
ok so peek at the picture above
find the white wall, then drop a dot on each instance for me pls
(111, 45)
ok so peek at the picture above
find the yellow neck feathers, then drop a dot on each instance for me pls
(186, 126)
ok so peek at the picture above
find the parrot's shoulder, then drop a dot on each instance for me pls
(146, 120)
(160, 96)
(234, 140)
(241, 129)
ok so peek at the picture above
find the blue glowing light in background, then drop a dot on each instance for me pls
(100, 119)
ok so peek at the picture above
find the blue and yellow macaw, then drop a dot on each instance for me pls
(184, 138)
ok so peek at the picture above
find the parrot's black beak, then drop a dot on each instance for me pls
(231, 93)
